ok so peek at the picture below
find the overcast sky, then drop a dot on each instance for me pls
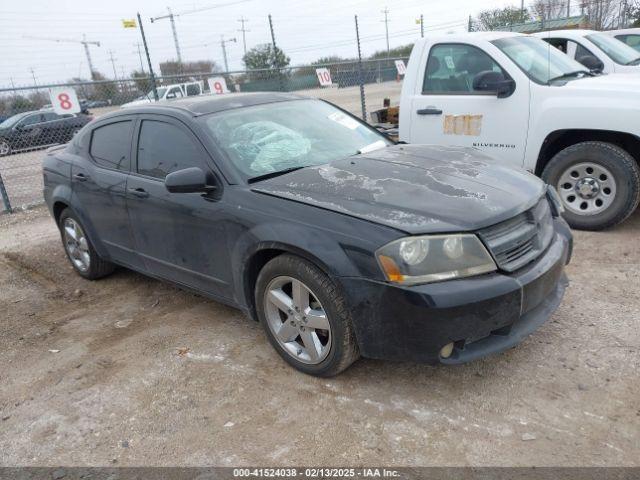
(304, 29)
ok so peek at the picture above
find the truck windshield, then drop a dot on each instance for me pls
(616, 50)
(160, 91)
(278, 137)
(539, 60)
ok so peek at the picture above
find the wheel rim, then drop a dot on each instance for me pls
(4, 148)
(76, 244)
(587, 188)
(297, 320)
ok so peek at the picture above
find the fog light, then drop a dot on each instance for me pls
(447, 350)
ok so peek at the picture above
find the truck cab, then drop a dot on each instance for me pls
(529, 105)
(595, 50)
(169, 92)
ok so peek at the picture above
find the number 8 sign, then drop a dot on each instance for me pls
(64, 100)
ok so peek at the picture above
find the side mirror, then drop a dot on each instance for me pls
(594, 64)
(170, 96)
(188, 180)
(495, 82)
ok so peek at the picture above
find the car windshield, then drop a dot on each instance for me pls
(282, 136)
(631, 39)
(619, 52)
(539, 60)
(11, 121)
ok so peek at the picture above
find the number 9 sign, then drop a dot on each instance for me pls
(64, 100)
(217, 85)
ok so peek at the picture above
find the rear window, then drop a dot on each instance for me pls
(110, 145)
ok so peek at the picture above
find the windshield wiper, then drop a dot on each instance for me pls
(567, 75)
(274, 174)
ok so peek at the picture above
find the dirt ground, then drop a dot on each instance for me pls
(132, 371)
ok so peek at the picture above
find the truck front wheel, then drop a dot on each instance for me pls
(599, 184)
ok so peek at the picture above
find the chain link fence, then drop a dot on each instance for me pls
(29, 124)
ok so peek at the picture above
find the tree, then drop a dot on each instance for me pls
(402, 51)
(549, 9)
(632, 14)
(173, 67)
(499, 17)
(262, 57)
(103, 90)
(141, 81)
(603, 14)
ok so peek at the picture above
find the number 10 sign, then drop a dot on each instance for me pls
(64, 100)
(324, 77)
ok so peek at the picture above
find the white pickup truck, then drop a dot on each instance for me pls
(595, 50)
(527, 104)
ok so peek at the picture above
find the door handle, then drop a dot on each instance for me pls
(139, 192)
(81, 177)
(429, 111)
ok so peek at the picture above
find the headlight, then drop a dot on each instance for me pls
(557, 208)
(430, 258)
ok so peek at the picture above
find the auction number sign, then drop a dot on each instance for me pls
(401, 67)
(64, 100)
(324, 77)
(217, 85)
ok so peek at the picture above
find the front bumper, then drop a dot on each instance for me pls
(481, 315)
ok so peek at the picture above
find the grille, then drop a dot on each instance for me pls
(518, 241)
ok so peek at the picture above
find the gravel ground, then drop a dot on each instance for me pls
(132, 371)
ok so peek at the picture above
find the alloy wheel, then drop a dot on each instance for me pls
(5, 149)
(297, 320)
(586, 188)
(76, 244)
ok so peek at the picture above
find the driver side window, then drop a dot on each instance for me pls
(451, 68)
(30, 120)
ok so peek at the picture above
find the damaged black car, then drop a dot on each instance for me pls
(340, 242)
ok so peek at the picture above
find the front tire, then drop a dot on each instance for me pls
(79, 249)
(5, 148)
(305, 317)
(598, 182)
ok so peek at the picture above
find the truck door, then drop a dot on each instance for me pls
(449, 110)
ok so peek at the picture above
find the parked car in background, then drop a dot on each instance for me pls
(597, 51)
(97, 103)
(38, 129)
(169, 92)
(530, 106)
(340, 242)
(630, 36)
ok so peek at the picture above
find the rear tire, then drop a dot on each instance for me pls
(79, 249)
(323, 313)
(5, 148)
(599, 184)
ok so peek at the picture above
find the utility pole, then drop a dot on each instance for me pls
(386, 26)
(13, 85)
(568, 8)
(360, 77)
(113, 64)
(275, 53)
(33, 74)
(470, 25)
(224, 50)
(85, 43)
(421, 26)
(140, 56)
(146, 51)
(243, 20)
(171, 18)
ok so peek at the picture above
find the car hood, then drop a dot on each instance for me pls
(413, 188)
(613, 83)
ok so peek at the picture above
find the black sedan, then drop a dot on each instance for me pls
(340, 242)
(29, 130)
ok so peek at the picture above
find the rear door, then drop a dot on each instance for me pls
(446, 110)
(99, 184)
(181, 236)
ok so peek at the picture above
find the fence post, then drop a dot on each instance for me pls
(146, 51)
(360, 79)
(5, 196)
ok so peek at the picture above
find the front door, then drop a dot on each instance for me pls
(181, 236)
(449, 111)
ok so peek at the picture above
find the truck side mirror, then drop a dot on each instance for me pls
(495, 82)
(594, 64)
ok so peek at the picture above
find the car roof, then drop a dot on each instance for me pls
(206, 104)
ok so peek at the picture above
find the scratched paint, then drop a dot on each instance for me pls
(462, 125)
